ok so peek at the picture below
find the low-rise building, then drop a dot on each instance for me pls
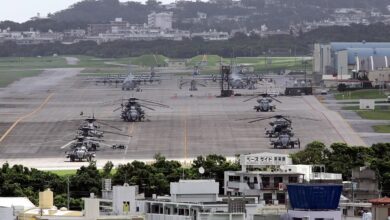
(212, 35)
(363, 185)
(265, 176)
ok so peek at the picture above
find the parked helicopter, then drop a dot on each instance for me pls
(130, 81)
(90, 127)
(80, 154)
(193, 83)
(265, 103)
(132, 111)
(88, 138)
(279, 125)
(90, 143)
(285, 140)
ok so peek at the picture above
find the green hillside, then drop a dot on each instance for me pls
(150, 60)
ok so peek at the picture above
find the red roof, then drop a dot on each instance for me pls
(380, 201)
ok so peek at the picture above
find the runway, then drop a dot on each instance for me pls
(197, 122)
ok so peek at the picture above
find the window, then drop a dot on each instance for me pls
(293, 179)
(277, 180)
(234, 178)
(281, 197)
(265, 181)
(268, 198)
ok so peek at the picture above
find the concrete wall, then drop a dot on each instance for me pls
(312, 215)
(380, 213)
(6, 213)
(166, 217)
(200, 190)
(342, 65)
(321, 57)
(221, 216)
(195, 198)
(123, 194)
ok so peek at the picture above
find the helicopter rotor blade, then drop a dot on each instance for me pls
(251, 98)
(304, 118)
(156, 103)
(116, 128)
(110, 132)
(117, 109)
(68, 144)
(275, 99)
(244, 119)
(148, 107)
(260, 119)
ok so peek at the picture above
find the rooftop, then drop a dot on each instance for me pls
(380, 201)
(16, 201)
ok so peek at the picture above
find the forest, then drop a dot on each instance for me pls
(155, 178)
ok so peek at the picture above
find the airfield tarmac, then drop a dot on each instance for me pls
(40, 114)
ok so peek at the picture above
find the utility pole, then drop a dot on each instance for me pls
(305, 62)
(68, 193)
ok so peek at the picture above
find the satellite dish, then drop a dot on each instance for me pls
(201, 170)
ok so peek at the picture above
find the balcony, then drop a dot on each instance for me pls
(325, 176)
(238, 185)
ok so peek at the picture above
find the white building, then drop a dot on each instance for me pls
(161, 20)
(10, 207)
(195, 191)
(212, 35)
(339, 60)
(266, 175)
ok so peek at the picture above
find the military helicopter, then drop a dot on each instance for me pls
(130, 81)
(280, 125)
(132, 111)
(265, 103)
(80, 154)
(285, 140)
(90, 143)
(90, 127)
(192, 82)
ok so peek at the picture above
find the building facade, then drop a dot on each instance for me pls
(266, 175)
(161, 20)
(340, 60)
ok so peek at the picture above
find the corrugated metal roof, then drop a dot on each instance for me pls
(364, 53)
(384, 200)
(337, 46)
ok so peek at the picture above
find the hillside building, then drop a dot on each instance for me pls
(161, 20)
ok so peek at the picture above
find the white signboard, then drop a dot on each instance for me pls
(265, 159)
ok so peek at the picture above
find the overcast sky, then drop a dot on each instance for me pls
(23, 10)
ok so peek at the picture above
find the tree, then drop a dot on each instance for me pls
(314, 153)
(215, 167)
(86, 180)
(107, 169)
